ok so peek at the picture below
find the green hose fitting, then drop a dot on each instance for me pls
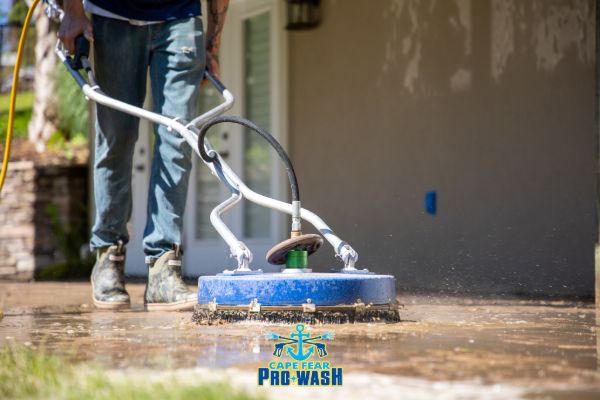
(296, 259)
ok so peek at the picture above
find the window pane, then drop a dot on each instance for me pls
(257, 161)
(207, 186)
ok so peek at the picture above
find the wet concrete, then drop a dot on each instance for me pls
(546, 348)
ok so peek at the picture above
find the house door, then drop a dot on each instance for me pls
(252, 69)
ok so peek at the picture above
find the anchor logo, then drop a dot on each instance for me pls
(304, 344)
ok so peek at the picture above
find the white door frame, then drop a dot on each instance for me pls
(140, 180)
(213, 250)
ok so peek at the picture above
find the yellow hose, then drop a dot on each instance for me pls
(13, 92)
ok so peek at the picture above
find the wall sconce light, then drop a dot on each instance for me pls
(302, 14)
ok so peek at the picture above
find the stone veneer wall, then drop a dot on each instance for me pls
(28, 240)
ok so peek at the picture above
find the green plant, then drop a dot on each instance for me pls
(69, 242)
(16, 18)
(23, 110)
(17, 13)
(73, 111)
(58, 143)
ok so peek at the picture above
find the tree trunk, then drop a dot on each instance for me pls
(44, 117)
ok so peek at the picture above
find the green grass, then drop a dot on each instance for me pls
(25, 373)
(24, 101)
(23, 109)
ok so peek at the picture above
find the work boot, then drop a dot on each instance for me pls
(166, 290)
(108, 281)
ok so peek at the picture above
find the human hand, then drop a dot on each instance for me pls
(74, 23)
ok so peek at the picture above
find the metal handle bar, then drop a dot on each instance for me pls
(222, 170)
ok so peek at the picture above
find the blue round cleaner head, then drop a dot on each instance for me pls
(320, 289)
(297, 297)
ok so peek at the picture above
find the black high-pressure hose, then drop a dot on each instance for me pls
(263, 133)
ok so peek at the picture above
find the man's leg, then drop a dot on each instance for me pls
(120, 64)
(176, 70)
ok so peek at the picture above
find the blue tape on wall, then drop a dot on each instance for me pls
(431, 202)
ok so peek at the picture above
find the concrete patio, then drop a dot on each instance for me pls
(446, 347)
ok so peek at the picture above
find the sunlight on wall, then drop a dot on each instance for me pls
(557, 28)
(425, 32)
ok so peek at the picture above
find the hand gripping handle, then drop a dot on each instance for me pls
(82, 50)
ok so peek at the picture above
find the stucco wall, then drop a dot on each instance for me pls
(488, 102)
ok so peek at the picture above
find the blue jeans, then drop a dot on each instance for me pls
(173, 51)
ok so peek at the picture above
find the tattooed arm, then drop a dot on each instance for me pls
(216, 18)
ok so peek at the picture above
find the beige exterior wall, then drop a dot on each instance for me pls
(488, 102)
